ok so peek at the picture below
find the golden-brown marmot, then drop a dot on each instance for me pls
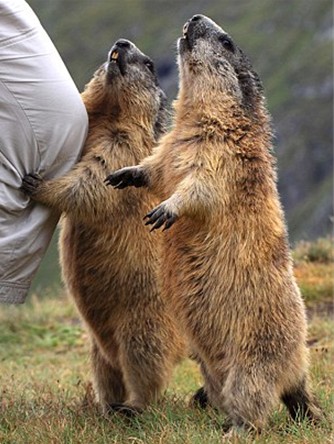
(226, 264)
(108, 258)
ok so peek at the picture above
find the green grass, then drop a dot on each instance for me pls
(46, 394)
(314, 270)
(320, 250)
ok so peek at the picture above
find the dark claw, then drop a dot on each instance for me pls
(159, 216)
(121, 185)
(114, 179)
(126, 177)
(150, 214)
(170, 222)
(30, 183)
(162, 219)
(154, 215)
(32, 177)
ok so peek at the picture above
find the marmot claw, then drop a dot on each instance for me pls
(160, 215)
(30, 183)
(126, 177)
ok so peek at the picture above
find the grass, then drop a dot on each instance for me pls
(318, 251)
(46, 395)
(314, 272)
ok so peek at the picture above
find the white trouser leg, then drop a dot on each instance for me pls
(43, 125)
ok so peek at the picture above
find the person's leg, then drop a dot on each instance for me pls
(43, 128)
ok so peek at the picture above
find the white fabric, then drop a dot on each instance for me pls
(43, 124)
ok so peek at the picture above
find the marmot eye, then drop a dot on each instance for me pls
(227, 43)
(150, 65)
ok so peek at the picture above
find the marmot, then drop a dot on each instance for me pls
(226, 263)
(109, 260)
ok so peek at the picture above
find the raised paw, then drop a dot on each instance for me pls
(126, 177)
(123, 409)
(31, 183)
(161, 215)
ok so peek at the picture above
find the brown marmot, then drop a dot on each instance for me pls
(226, 263)
(109, 260)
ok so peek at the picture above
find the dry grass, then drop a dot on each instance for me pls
(46, 395)
(315, 281)
(56, 406)
(320, 251)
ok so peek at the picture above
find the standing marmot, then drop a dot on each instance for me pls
(226, 262)
(109, 259)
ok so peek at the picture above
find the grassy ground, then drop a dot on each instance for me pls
(46, 396)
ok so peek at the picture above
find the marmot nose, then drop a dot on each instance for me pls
(122, 43)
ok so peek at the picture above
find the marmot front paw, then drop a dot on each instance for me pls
(160, 215)
(127, 177)
(31, 183)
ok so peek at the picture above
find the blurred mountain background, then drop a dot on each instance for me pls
(290, 43)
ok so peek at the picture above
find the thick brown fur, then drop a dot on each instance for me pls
(226, 263)
(109, 260)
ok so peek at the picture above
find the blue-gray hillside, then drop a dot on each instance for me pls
(290, 43)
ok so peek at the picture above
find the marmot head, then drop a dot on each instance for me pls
(213, 66)
(126, 87)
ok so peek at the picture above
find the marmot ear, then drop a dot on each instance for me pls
(162, 120)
